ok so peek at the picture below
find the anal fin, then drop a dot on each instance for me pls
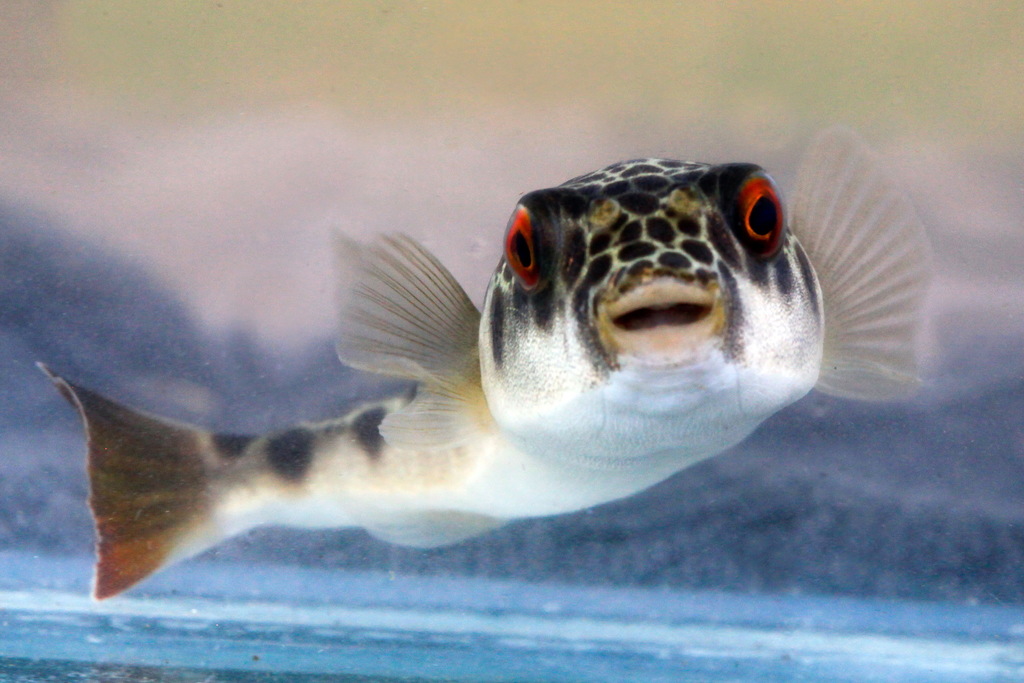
(430, 529)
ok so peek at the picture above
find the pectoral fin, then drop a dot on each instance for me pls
(404, 315)
(872, 259)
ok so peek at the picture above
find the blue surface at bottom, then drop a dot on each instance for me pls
(43, 671)
(217, 622)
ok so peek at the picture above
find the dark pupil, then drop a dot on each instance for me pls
(763, 216)
(522, 248)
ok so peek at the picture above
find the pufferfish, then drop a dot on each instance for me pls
(642, 318)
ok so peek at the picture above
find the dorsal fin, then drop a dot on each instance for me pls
(872, 259)
(404, 315)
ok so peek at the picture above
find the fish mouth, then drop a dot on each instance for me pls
(661, 319)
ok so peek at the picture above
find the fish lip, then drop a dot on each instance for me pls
(661, 318)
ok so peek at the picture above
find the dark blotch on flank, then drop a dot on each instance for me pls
(366, 429)
(636, 250)
(639, 202)
(699, 251)
(498, 326)
(631, 232)
(597, 270)
(661, 230)
(599, 243)
(231, 445)
(290, 453)
(673, 259)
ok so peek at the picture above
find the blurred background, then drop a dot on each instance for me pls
(171, 175)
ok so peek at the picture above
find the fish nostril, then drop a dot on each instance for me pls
(648, 317)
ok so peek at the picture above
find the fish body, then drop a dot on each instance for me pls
(643, 317)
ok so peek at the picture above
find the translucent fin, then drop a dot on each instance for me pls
(403, 314)
(872, 259)
(430, 529)
(148, 489)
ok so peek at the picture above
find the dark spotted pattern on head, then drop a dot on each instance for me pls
(631, 170)
(661, 230)
(675, 261)
(617, 188)
(636, 250)
(640, 267)
(630, 232)
(651, 183)
(699, 251)
(688, 226)
(639, 202)
(598, 243)
(703, 276)
(597, 270)
(636, 219)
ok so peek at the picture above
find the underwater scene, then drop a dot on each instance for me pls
(446, 341)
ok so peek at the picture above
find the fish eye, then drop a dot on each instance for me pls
(520, 250)
(760, 214)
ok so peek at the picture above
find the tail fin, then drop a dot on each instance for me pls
(149, 489)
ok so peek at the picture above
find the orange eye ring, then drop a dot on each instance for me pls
(520, 250)
(760, 214)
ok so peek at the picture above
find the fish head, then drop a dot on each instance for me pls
(651, 307)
